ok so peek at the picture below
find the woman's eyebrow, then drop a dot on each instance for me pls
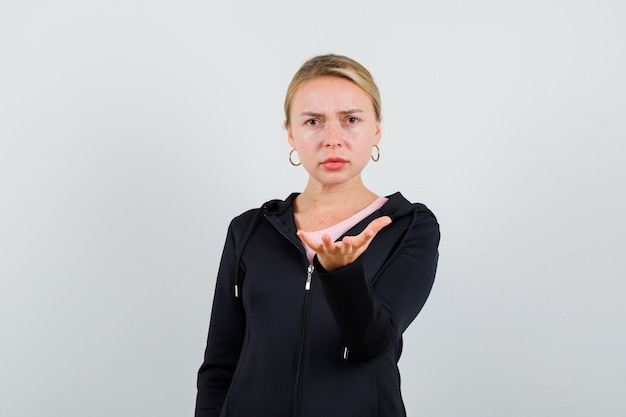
(350, 111)
(311, 114)
(343, 112)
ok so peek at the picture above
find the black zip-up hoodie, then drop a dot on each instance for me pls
(289, 339)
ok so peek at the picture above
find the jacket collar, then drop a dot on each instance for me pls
(395, 206)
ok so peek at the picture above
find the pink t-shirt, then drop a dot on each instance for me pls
(342, 227)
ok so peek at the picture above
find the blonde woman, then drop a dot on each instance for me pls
(314, 292)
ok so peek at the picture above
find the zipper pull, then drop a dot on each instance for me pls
(309, 274)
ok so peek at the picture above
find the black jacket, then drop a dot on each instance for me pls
(289, 339)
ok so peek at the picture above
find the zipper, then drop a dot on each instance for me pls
(297, 381)
(309, 274)
(297, 385)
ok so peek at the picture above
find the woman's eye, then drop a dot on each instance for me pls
(352, 120)
(312, 122)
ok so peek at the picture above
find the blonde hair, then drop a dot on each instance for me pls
(336, 66)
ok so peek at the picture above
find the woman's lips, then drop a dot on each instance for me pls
(334, 164)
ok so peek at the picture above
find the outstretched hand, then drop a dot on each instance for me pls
(334, 255)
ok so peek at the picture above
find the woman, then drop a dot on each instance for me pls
(314, 292)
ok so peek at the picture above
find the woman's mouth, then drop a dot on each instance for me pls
(334, 164)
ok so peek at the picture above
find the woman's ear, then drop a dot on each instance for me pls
(289, 135)
(378, 131)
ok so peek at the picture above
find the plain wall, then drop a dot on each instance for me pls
(131, 132)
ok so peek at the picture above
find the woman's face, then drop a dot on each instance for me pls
(333, 127)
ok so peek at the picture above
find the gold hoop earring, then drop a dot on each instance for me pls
(291, 160)
(377, 157)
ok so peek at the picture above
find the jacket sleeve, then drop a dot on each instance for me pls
(226, 333)
(372, 314)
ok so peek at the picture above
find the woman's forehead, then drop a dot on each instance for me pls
(330, 90)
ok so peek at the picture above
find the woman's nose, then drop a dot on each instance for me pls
(333, 135)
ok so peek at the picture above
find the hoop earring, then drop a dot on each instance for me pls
(377, 157)
(291, 160)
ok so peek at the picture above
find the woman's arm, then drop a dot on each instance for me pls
(372, 316)
(226, 333)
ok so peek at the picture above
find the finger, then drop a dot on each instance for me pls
(347, 243)
(327, 243)
(377, 224)
(372, 229)
(316, 246)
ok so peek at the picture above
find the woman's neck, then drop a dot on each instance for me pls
(319, 207)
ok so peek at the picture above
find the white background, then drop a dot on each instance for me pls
(132, 131)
